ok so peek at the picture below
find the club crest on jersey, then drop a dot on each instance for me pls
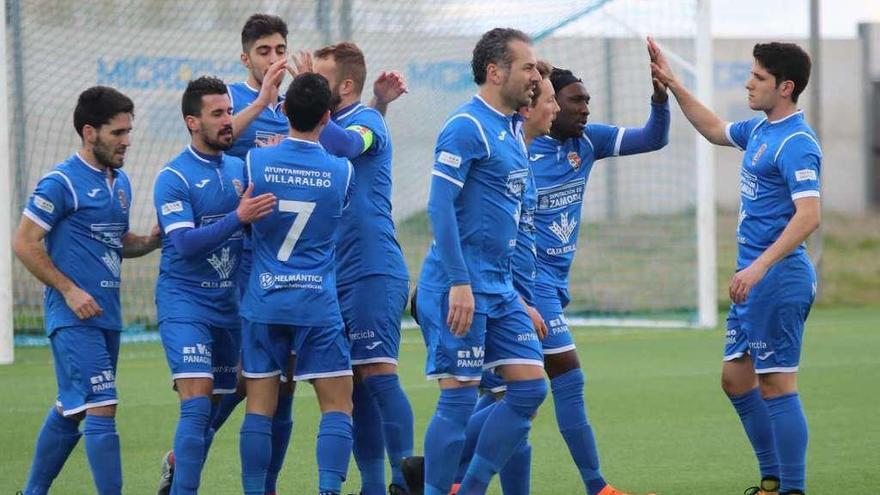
(574, 160)
(758, 154)
(224, 264)
(564, 228)
(123, 199)
(239, 187)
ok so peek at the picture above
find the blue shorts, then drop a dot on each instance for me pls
(769, 325)
(492, 382)
(85, 367)
(550, 303)
(200, 350)
(371, 308)
(321, 352)
(501, 334)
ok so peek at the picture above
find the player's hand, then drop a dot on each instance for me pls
(300, 63)
(461, 309)
(155, 238)
(537, 321)
(250, 209)
(661, 70)
(271, 81)
(81, 303)
(743, 281)
(269, 141)
(389, 86)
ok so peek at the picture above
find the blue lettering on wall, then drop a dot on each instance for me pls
(449, 75)
(146, 72)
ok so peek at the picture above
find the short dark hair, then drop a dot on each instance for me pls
(349, 60)
(306, 101)
(98, 105)
(494, 48)
(191, 103)
(786, 62)
(259, 26)
(544, 69)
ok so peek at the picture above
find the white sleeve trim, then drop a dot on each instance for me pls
(37, 220)
(69, 186)
(179, 225)
(618, 141)
(476, 123)
(805, 194)
(729, 137)
(175, 172)
(450, 179)
(247, 168)
(801, 133)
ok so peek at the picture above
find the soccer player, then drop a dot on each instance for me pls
(372, 279)
(774, 284)
(73, 235)
(539, 116)
(291, 299)
(197, 201)
(562, 162)
(470, 314)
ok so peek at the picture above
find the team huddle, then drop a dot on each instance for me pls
(280, 264)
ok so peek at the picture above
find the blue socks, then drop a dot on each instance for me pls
(282, 426)
(255, 449)
(397, 421)
(56, 440)
(333, 451)
(472, 432)
(369, 444)
(790, 430)
(189, 444)
(517, 473)
(227, 405)
(755, 417)
(506, 428)
(102, 450)
(571, 418)
(445, 436)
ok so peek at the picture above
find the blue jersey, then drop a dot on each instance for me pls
(367, 242)
(86, 217)
(561, 171)
(293, 278)
(525, 257)
(192, 192)
(781, 164)
(269, 123)
(481, 151)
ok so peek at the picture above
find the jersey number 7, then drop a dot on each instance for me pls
(303, 210)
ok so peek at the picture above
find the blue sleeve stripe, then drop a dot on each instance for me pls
(179, 225)
(617, 141)
(175, 172)
(69, 186)
(36, 219)
(476, 123)
(805, 194)
(801, 133)
(450, 179)
(729, 137)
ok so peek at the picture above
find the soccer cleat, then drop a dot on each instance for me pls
(768, 486)
(455, 488)
(413, 468)
(396, 490)
(167, 474)
(610, 490)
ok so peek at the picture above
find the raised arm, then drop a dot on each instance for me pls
(268, 94)
(704, 120)
(389, 86)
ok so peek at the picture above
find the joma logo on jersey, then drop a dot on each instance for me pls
(224, 264)
(202, 183)
(564, 228)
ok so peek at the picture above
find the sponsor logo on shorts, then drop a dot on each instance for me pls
(558, 326)
(527, 337)
(730, 335)
(765, 355)
(362, 335)
(198, 354)
(471, 358)
(373, 345)
(105, 380)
